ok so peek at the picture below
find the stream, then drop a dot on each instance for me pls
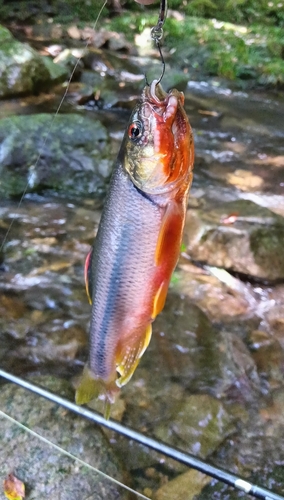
(212, 380)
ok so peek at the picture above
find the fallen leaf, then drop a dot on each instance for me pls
(244, 180)
(208, 113)
(74, 33)
(274, 161)
(14, 489)
(54, 267)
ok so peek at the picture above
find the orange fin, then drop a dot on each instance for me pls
(169, 240)
(87, 275)
(90, 388)
(128, 361)
(160, 298)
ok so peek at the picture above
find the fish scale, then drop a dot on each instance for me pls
(118, 264)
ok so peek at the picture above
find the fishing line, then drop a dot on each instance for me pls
(159, 446)
(157, 35)
(50, 128)
(69, 455)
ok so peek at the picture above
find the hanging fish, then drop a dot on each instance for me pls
(138, 241)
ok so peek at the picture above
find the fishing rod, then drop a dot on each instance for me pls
(171, 452)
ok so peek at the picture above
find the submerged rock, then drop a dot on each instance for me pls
(70, 156)
(198, 425)
(190, 354)
(23, 70)
(46, 472)
(240, 236)
(184, 487)
(221, 296)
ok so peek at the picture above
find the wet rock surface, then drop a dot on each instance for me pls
(23, 70)
(46, 472)
(70, 156)
(198, 425)
(239, 236)
(184, 487)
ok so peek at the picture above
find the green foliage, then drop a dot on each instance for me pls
(228, 38)
(64, 11)
(229, 50)
(217, 47)
(269, 12)
(79, 10)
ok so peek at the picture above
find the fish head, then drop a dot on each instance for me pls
(159, 143)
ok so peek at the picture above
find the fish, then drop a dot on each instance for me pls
(138, 242)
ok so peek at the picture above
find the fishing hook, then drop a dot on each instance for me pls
(157, 35)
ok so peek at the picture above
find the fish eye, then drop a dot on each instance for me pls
(135, 130)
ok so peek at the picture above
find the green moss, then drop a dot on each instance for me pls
(267, 246)
(217, 48)
(235, 11)
(5, 35)
(244, 41)
(232, 51)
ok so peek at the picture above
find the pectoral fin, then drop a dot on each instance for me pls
(128, 359)
(170, 234)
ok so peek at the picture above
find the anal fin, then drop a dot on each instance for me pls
(129, 358)
(160, 298)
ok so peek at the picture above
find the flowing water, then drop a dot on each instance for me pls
(212, 380)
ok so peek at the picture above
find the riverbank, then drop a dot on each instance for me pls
(248, 51)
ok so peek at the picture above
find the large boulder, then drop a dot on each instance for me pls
(23, 70)
(239, 236)
(67, 154)
(46, 472)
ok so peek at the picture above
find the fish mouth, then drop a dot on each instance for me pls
(157, 93)
(163, 104)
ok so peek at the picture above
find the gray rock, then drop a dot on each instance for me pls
(57, 72)
(198, 425)
(47, 473)
(66, 157)
(250, 243)
(22, 70)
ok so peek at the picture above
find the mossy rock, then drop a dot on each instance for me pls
(46, 472)
(199, 424)
(252, 244)
(22, 70)
(266, 244)
(67, 154)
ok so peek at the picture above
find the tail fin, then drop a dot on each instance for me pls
(127, 359)
(91, 388)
